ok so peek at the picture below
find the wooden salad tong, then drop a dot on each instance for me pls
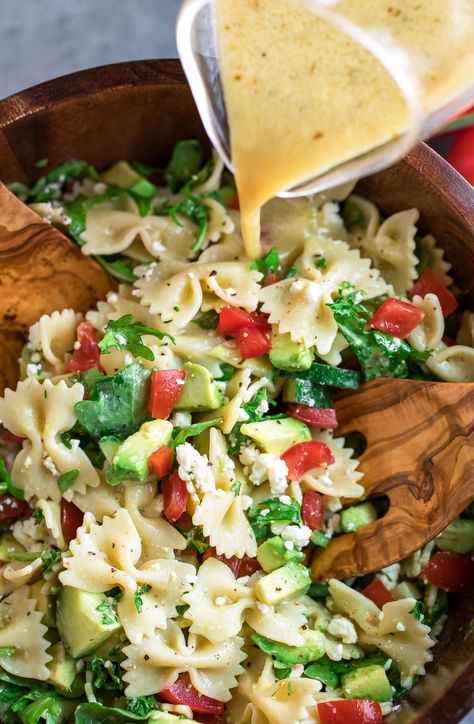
(420, 454)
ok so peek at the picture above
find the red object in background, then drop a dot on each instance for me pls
(312, 510)
(324, 417)
(253, 342)
(161, 461)
(231, 319)
(305, 456)
(166, 389)
(428, 283)
(350, 711)
(87, 355)
(461, 154)
(71, 519)
(12, 508)
(378, 593)
(175, 497)
(450, 571)
(10, 437)
(239, 566)
(183, 692)
(397, 318)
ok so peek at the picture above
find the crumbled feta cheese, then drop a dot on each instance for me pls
(332, 503)
(265, 512)
(100, 188)
(157, 247)
(299, 535)
(230, 291)
(181, 419)
(389, 575)
(333, 525)
(330, 215)
(387, 664)
(312, 292)
(289, 545)
(246, 502)
(32, 370)
(49, 465)
(248, 454)
(112, 298)
(35, 357)
(296, 671)
(381, 616)
(27, 462)
(400, 626)
(135, 292)
(342, 628)
(195, 470)
(285, 499)
(121, 339)
(297, 286)
(242, 416)
(262, 408)
(220, 600)
(77, 345)
(269, 467)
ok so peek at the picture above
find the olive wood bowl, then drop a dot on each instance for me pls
(137, 111)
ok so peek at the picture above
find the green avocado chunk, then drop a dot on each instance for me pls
(63, 675)
(130, 460)
(200, 392)
(288, 355)
(457, 537)
(289, 581)
(272, 554)
(312, 648)
(79, 623)
(277, 436)
(357, 516)
(164, 717)
(367, 682)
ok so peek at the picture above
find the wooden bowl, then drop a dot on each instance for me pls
(137, 111)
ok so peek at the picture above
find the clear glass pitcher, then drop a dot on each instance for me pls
(435, 78)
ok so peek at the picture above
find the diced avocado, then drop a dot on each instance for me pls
(357, 516)
(131, 458)
(306, 392)
(289, 581)
(109, 446)
(407, 589)
(277, 436)
(8, 544)
(458, 537)
(288, 355)
(200, 393)
(63, 674)
(272, 554)
(312, 648)
(45, 603)
(79, 623)
(367, 682)
(164, 717)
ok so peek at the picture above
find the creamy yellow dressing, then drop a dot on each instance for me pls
(303, 97)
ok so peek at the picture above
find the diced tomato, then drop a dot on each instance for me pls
(449, 341)
(210, 719)
(248, 566)
(10, 437)
(183, 692)
(378, 593)
(253, 342)
(350, 711)
(272, 278)
(161, 461)
(175, 497)
(461, 154)
(449, 571)
(185, 521)
(231, 319)
(234, 204)
(233, 562)
(71, 519)
(305, 456)
(12, 508)
(166, 389)
(87, 355)
(397, 318)
(324, 417)
(190, 553)
(428, 283)
(312, 510)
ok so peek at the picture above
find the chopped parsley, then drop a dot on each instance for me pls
(38, 515)
(235, 487)
(270, 264)
(321, 263)
(67, 480)
(109, 612)
(6, 483)
(124, 333)
(106, 674)
(207, 320)
(270, 511)
(142, 705)
(417, 611)
(137, 597)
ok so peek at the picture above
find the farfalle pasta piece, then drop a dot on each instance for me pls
(453, 364)
(217, 602)
(223, 520)
(284, 623)
(100, 501)
(465, 335)
(157, 662)
(240, 390)
(21, 627)
(116, 305)
(339, 479)
(371, 220)
(223, 467)
(394, 630)
(436, 261)
(286, 224)
(54, 336)
(52, 521)
(230, 248)
(107, 555)
(429, 333)
(40, 412)
(15, 574)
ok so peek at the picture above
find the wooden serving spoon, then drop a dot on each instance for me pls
(420, 454)
(41, 270)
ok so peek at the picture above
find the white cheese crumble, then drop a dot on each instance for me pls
(289, 545)
(32, 370)
(195, 470)
(296, 671)
(269, 467)
(181, 419)
(342, 628)
(285, 499)
(262, 408)
(248, 454)
(220, 601)
(48, 463)
(112, 298)
(389, 575)
(298, 535)
(400, 626)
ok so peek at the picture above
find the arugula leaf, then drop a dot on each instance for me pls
(38, 516)
(119, 267)
(261, 517)
(106, 674)
(51, 185)
(108, 609)
(47, 708)
(186, 160)
(195, 210)
(142, 705)
(117, 404)
(207, 320)
(416, 613)
(29, 701)
(180, 435)
(137, 596)
(227, 372)
(268, 265)
(94, 712)
(123, 333)
(88, 379)
(318, 590)
(67, 480)
(379, 354)
(6, 483)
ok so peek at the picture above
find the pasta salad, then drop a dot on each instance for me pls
(171, 460)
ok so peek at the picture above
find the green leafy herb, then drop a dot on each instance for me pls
(106, 674)
(321, 263)
(254, 414)
(271, 510)
(379, 354)
(235, 487)
(30, 702)
(137, 597)
(196, 211)
(352, 215)
(109, 612)
(41, 163)
(180, 435)
(270, 264)
(186, 160)
(417, 611)
(227, 372)
(292, 272)
(65, 438)
(319, 539)
(281, 669)
(318, 590)
(120, 268)
(124, 333)
(200, 545)
(51, 185)
(50, 559)
(38, 516)
(92, 713)
(142, 705)
(67, 480)
(6, 483)
(207, 320)
(89, 379)
(7, 651)
(117, 405)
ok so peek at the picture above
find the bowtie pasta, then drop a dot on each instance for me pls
(171, 460)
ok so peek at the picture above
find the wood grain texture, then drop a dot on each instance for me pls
(138, 110)
(420, 438)
(40, 271)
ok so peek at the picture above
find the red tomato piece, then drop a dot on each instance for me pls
(71, 519)
(397, 318)
(324, 417)
(428, 283)
(210, 719)
(305, 456)
(449, 341)
(461, 154)
(350, 711)
(10, 437)
(253, 342)
(183, 692)
(247, 566)
(87, 355)
(312, 510)
(185, 521)
(233, 563)
(231, 319)
(12, 508)
(234, 204)
(272, 278)
(378, 593)
(449, 571)
(161, 461)
(175, 497)
(166, 389)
